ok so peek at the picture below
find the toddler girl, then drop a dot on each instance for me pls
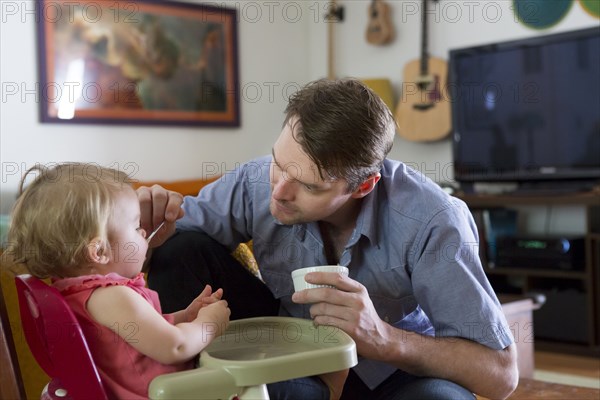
(80, 225)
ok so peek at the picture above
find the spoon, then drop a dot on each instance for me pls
(149, 238)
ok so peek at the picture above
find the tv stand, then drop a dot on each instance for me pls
(544, 188)
(570, 319)
(533, 188)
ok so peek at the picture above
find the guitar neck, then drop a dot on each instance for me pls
(331, 40)
(424, 39)
(330, 58)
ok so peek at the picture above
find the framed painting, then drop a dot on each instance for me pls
(138, 62)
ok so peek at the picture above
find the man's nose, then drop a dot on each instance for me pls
(283, 189)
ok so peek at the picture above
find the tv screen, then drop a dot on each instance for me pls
(527, 110)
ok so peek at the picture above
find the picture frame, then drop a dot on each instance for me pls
(143, 62)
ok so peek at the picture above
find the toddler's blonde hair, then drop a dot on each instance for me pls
(59, 213)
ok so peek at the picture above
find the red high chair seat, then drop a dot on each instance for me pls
(57, 342)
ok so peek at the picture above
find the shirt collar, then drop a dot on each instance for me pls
(366, 223)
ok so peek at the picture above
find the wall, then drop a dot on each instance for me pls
(273, 52)
(279, 47)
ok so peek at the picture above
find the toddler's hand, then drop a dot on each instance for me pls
(205, 298)
(213, 298)
(215, 316)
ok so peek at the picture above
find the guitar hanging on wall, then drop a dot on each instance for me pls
(423, 111)
(335, 14)
(380, 30)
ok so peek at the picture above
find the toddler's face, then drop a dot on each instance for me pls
(127, 239)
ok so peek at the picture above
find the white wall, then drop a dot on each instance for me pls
(278, 48)
(452, 24)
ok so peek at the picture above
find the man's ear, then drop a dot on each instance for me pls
(367, 186)
(96, 251)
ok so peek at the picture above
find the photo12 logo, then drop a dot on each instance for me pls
(270, 332)
(452, 11)
(13, 170)
(70, 11)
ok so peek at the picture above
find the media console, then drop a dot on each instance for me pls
(570, 319)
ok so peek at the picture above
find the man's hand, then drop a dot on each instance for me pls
(347, 307)
(157, 205)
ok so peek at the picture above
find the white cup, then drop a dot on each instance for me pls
(301, 284)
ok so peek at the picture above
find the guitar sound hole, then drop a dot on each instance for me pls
(423, 85)
(422, 106)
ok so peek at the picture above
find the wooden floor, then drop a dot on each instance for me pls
(585, 368)
(588, 367)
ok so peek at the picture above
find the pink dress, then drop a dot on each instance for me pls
(125, 372)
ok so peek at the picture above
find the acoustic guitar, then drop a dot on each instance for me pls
(380, 30)
(423, 111)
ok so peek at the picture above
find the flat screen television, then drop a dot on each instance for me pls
(527, 111)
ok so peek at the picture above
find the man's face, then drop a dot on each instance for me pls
(298, 193)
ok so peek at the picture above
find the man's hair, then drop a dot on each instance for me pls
(57, 215)
(344, 128)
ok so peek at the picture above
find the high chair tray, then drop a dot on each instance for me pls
(262, 350)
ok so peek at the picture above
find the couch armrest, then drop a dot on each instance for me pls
(189, 187)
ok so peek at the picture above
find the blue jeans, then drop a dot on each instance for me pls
(402, 386)
(310, 388)
(399, 386)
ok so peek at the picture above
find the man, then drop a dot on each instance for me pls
(425, 320)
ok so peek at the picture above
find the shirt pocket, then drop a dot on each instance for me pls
(404, 313)
(280, 283)
(393, 310)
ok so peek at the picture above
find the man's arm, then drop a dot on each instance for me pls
(487, 372)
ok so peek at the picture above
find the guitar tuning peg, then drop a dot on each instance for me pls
(335, 13)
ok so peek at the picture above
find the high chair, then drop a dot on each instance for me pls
(237, 365)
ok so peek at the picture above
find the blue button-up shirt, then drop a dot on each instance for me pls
(414, 248)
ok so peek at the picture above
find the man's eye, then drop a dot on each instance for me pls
(309, 188)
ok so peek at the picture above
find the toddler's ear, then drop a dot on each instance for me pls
(96, 251)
